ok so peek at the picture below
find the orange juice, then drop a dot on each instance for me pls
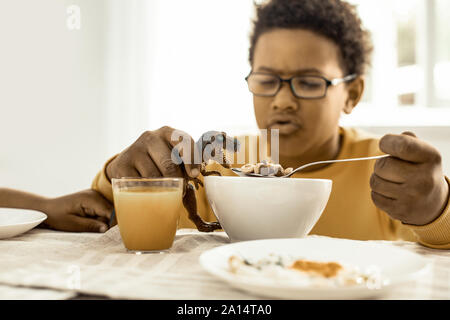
(148, 216)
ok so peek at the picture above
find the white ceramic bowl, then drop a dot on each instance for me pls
(267, 208)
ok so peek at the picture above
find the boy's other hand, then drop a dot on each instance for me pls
(410, 185)
(85, 211)
(151, 156)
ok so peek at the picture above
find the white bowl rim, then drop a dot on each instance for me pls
(273, 179)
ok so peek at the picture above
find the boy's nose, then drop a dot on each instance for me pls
(285, 99)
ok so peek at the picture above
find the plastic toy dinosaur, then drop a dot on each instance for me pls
(213, 146)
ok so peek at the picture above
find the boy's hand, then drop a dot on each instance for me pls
(151, 156)
(410, 185)
(85, 211)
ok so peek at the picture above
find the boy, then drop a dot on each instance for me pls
(308, 60)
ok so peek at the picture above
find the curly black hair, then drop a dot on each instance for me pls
(335, 19)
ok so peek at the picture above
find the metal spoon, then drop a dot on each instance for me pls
(242, 174)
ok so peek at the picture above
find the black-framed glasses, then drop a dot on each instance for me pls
(303, 87)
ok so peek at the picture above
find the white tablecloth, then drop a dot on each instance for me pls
(44, 264)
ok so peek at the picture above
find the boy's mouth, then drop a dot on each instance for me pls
(285, 126)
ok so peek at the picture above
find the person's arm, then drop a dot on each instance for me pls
(437, 233)
(10, 198)
(410, 187)
(84, 211)
(102, 183)
(149, 156)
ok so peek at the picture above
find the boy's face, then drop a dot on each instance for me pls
(306, 125)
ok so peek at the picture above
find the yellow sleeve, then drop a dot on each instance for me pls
(102, 184)
(436, 234)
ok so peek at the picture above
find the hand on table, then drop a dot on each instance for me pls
(84, 211)
(410, 185)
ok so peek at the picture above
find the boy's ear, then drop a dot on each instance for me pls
(355, 91)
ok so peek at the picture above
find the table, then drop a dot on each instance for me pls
(45, 264)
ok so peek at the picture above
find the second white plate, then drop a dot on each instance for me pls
(395, 264)
(17, 221)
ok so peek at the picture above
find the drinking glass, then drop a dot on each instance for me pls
(148, 211)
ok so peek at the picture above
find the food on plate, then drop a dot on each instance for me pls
(303, 272)
(266, 168)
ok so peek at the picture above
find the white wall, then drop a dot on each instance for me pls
(52, 112)
(200, 65)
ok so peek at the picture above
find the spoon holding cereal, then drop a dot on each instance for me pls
(270, 170)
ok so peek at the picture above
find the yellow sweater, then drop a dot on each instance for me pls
(350, 212)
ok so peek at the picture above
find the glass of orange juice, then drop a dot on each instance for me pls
(148, 211)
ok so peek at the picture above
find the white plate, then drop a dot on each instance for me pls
(17, 221)
(396, 265)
